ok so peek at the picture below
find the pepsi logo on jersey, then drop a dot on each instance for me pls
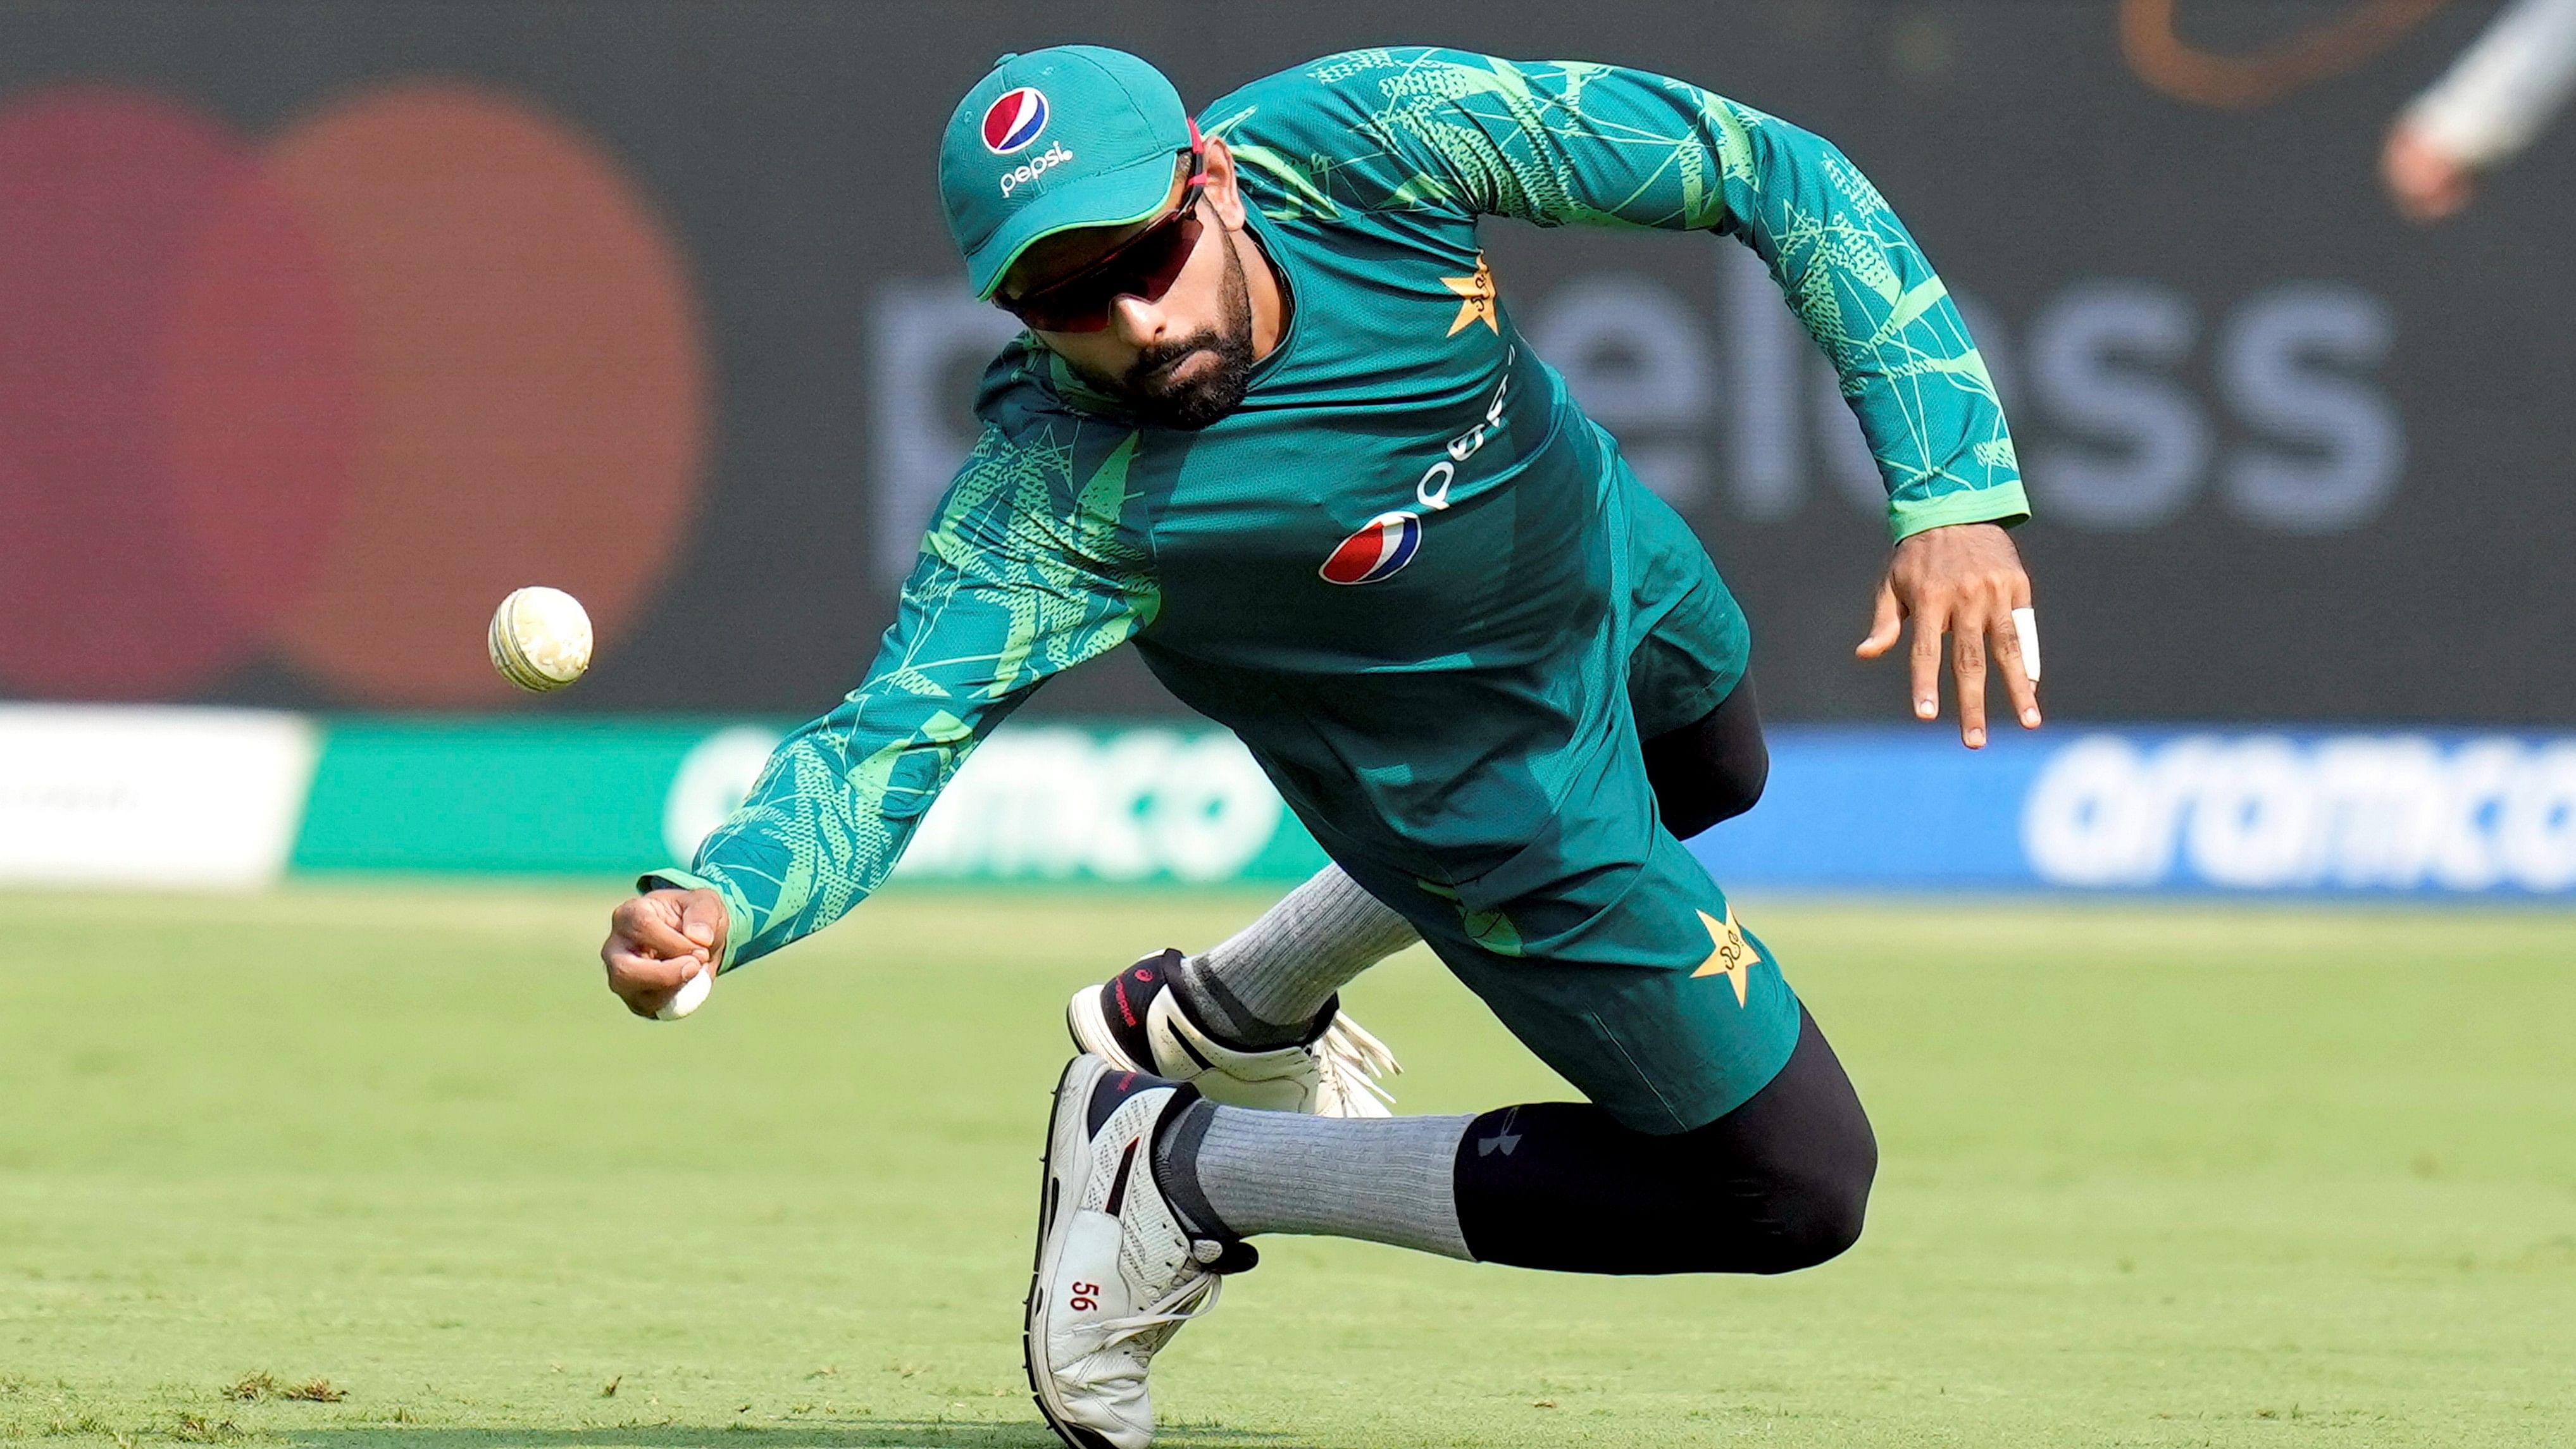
(1014, 120)
(1389, 541)
(1382, 545)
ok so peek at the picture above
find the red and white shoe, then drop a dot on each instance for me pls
(1136, 1022)
(1118, 1272)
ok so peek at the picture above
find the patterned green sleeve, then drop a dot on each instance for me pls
(1561, 142)
(1025, 573)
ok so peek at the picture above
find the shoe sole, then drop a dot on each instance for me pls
(1088, 1025)
(1064, 1142)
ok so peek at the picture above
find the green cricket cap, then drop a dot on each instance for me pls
(1057, 139)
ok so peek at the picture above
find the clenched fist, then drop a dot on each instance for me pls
(657, 941)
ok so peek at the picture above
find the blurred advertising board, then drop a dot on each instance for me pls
(328, 322)
(219, 798)
(2431, 813)
(191, 798)
(1035, 803)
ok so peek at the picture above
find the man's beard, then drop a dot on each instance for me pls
(1148, 388)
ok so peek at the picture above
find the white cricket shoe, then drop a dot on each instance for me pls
(1135, 1022)
(1117, 1272)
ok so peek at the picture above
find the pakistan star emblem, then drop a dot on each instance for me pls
(1478, 291)
(1734, 956)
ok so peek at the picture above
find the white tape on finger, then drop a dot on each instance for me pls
(2026, 627)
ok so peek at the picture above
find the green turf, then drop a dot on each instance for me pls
(2152, 1177)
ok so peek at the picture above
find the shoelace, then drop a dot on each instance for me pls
(1354, 1061)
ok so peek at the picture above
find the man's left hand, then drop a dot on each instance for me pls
(1964, 581)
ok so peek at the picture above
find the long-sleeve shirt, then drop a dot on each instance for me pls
(2497, 96)
(1461, 697)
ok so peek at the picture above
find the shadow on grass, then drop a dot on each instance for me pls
(831, 1434)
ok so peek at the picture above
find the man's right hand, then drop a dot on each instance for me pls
(657, 941)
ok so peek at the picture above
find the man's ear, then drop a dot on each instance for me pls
(1222, 192)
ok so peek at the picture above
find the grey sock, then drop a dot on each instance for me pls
(1382, 1179)
(1265, 985)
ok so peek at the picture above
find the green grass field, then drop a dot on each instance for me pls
(2152, 1177)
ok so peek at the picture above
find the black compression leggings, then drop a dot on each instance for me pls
(1712, 770)
(1778, 1184)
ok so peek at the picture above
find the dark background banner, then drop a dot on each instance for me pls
(322, 325)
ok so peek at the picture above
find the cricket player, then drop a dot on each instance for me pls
(1271, 423)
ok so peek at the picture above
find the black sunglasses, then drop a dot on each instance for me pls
(1145, 265)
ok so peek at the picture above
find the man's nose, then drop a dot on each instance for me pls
(1139, 323)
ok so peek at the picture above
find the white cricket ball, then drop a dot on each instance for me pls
(540, 639)
(691, 996)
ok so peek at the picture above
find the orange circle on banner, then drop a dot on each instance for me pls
(260, 397)
(176, 404)
(535, 407)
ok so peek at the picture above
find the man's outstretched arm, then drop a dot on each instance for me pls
(1568, 142)
(1024, 574)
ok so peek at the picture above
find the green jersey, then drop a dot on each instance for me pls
(1405, 571)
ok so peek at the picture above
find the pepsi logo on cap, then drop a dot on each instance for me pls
(1014, 120)
(1382, 545)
